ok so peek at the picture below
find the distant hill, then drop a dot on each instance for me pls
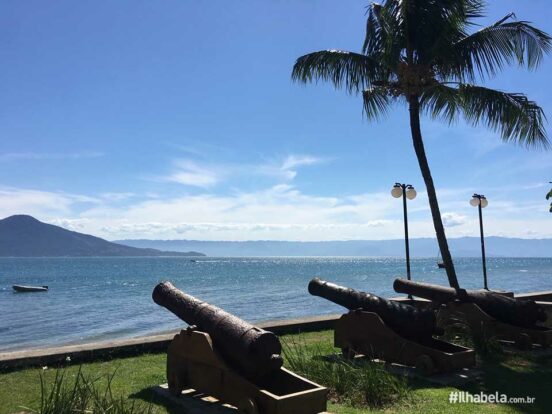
(423, 247)
(25, 236)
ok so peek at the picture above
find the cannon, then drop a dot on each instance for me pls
(391, 331)
(252, 351)
(410, 321)
(518, 312)
(225, 357)
(506, 317)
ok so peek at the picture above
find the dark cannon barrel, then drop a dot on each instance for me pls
(252, 351)
(437, 293)
(519, 312)
(406, 320)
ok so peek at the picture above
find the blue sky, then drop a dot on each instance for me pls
(178, 119)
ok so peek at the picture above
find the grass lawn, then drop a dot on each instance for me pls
(513, 375)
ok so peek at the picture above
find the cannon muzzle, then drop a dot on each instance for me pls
(252, 351)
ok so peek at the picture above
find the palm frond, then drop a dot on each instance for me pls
(441, 102)
(454, 18)
(513, 115)
(488, 50)
(353, 71)
(373, 37)
(429, 27)
(383, 40)
(376, 103)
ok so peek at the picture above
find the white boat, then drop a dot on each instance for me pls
(23, 288)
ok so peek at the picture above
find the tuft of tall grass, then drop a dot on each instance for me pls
(83, 395)
(460, 332)
(354, 383)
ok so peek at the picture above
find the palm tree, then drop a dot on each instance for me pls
(421, 52)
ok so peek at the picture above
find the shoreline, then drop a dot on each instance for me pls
(91, 351)
(158, 342)
(276, 325)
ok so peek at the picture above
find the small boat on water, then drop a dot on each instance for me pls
(23, 288)
(441, 265)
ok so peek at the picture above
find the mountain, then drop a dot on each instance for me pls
(423, 247)
(25, 236)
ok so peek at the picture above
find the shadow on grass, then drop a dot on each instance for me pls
(527, 380)
(149, 396)
(515, 378)
(193, 403)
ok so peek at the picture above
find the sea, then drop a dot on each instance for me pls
(95, 299)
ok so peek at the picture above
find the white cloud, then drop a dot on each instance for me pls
(206, 175)
(453, 219)
(70, 224)
(40, 203)
(293, 161)
(280, 212)
(190, 173)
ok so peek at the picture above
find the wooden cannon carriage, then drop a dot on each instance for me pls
(489, 313)
(224, 357)
(391, 331)
(484, 324)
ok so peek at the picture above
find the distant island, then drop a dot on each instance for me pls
(25, 236)
(420, 247)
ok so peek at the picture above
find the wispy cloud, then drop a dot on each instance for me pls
(41, 203)
(30, 156)
(117, 196)
(189, 173)
(534, 186)
(207, 174)
(293, 161)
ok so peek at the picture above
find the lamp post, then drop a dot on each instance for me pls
(480, 201)
(406, 191)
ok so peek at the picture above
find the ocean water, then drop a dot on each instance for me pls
(93, 299)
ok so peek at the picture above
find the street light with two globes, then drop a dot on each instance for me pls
(405, 191)
(480, 201)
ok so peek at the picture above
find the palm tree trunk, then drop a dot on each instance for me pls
(414, 109)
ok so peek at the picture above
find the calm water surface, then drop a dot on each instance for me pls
(99, 298)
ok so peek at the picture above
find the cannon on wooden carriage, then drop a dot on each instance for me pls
(391, 331)
(486, 312)
(227, 358)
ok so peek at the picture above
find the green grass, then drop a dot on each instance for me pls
(357, 383)
(133, 377)
(84, 394)
(514, 375)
